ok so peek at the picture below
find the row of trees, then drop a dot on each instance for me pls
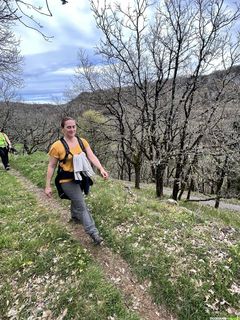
(162, 106)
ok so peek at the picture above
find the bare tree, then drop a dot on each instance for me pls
(158, 56)
(123, 108)
(223, 158)
(12, 12)
(7, 94)
(207, 44)
(26, 12)
(9, 54)
(36, 135)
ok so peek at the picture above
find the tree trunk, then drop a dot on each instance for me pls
(129, 171)
(137, 168)
(190, 189)
(160, 169)
(121, 172)
(153, 170)
(220, 182)
(218, 192)
(176, 181)
(217, 202)
(183, 185)
(212, 189)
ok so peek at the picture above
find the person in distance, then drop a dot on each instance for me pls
(5, 146)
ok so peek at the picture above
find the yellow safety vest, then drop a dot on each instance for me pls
(3, 141)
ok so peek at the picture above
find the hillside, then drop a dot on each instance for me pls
(87, 100)
(187, 256)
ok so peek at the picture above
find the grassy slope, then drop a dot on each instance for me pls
(191, 257)
(44, 271)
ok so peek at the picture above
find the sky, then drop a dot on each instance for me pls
(48, 68)
(49, 65)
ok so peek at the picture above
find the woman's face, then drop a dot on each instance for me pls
(69, 129)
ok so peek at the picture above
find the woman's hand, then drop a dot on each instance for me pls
(94, 160)
(48, 191)
(104, 173)
(50, 171)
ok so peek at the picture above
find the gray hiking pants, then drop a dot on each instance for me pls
(79, 209)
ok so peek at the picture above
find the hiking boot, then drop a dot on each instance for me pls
(97, 239)
(7, 168)
(74, 220)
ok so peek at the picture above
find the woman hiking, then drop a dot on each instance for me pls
(5, 146)
(73, 191)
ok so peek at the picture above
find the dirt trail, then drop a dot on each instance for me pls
(222, 204)
(116, 270)
(168, 192)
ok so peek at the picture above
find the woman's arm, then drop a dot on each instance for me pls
(8, 141)
(50, 171)
(94, 160)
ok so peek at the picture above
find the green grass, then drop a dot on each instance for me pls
(43, 270)
(34, 167)
(191, 264)
(228, 217)
(190, 254)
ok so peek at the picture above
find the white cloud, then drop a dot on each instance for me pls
(49, 66)
(64, 71)
(71, 24)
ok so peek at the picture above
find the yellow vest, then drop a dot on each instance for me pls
(3, 141)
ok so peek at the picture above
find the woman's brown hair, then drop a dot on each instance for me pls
(65, 119)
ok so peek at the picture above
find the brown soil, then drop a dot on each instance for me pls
(116, 270)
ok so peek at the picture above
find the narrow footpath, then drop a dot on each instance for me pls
(211, 203)
(116, 270)
(168, 192)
